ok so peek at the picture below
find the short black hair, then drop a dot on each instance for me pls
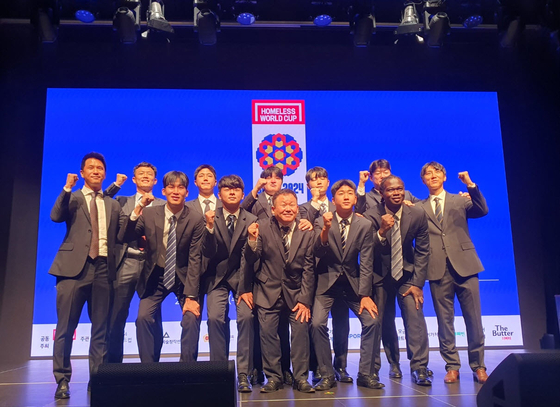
(434, 164)
(145, 164)
(97, 156)
(285, 191)
(381, 163)
(272, 170)
(203, 166)
(318, 171)
(341, 183)
(173, 176)
(386, 179)
(231, 181)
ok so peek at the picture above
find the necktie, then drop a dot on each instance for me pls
(439, 212)
(285, 242)
(323, 208)
(170, 256)
(344, 232)
(207, 203)
(94, 245)
(269, 200)
(396, 251)
(230, 224)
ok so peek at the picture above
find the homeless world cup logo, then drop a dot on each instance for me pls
(281, 150)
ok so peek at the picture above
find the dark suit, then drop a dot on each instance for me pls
(339, 311)
(279, 285)
(195, 204)
(190, 230)
(130, 261)
(453, 270)
(81, 279)
(415, 252)
(346, 275)
(257, 206)
(222, 276)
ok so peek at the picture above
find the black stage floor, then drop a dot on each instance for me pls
(31, 384)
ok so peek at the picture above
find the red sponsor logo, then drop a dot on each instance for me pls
(278, 112)
(54, 335)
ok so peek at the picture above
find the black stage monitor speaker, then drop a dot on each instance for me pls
(523, 380)
(164, 384)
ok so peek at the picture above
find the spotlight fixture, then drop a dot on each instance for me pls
(511, 24)
(46, 19)
(156, 19)
(362, 21)
(410, 22)
(438, 28)
(206, 22)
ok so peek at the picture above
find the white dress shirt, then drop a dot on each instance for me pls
(101, 218)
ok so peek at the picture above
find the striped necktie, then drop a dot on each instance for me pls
(344, 232)
(323, 209)
(170, 256)
(93, 214)
(207, 203)
(285, 242)
(439, 212)
(396, 250)
(231, 224)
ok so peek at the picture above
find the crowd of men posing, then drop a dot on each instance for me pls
(287, 266)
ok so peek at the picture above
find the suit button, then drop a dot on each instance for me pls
(443, 234)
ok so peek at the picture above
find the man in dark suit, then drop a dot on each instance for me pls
(84, 266)
(130, 256)
(401, 250)
(205, 180)
(284, 284)
(227, 228)
(174, 234)
(454, 267)
(318, 183)
(344, 247)
(378, 170)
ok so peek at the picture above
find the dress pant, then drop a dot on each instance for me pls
(389, 335)
(468, 294)
(371, 328)
(149, 327)
(270, 342)
(125, 287)
(414, 322)
(217, 302)
(91, 285)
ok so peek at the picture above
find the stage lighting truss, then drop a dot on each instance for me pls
(206, 21)
(126, 21)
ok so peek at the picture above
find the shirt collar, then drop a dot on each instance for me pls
(339, 219)
(212, 199)
(87, 191)
(398, 213)
(440, 196)
(169, 214)
(227, 213)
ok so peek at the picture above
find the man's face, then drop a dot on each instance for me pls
(345, 198)
(175, 193)
(144, 178)
(93, 173)
(433, 178)
(273, 184)
(285, 209)
(378, 175)
(322, 183)
(231, 196)
(205, 180)
(393, 192)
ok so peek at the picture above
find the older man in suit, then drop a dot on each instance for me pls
(174, 234)
(402, 248)
(84, 266)
(227, 228)
(454, 267)
(344, 247)
(284, 284)
(130, 256)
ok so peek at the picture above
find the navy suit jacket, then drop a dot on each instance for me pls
(71, 207)
(415, 243)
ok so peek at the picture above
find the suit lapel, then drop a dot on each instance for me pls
(449, 202)
(130, 204)
(107, 204)
(375, 196)
(405, 221)
(239, 227)
(159, 223)
(196, 206)
(182, 223)
(335, 230)
(278, 237)
(222, 227)
(427, 205)
(332, 208)
(354, 224)
(264, 203)
(297, 236)
(83, 203)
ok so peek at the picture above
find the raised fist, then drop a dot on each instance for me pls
(71, 180)
(387, 222)
(261, 182)
(364, 176)
(210, 215)
(327, 219)
(253, 231)
(147, 199)
(315, 193)
(121, 178)
(466, 179)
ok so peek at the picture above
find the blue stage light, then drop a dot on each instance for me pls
(245, 18)
(85, 16)
(323, 20)
(472, 21)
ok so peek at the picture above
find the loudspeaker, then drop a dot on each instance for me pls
(167, 383)
(523, 380)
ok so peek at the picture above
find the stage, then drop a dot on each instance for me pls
(31, 384)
